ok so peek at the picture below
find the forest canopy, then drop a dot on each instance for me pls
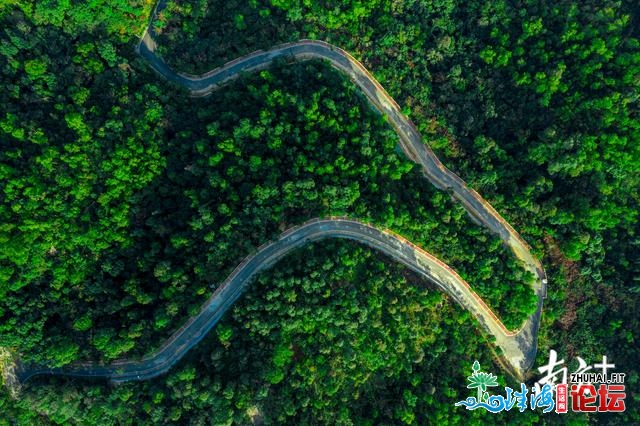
(124, 202)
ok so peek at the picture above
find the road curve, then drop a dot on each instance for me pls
(228, 292)
(410, 139)
(518, 347)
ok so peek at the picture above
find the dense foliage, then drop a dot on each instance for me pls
(333, 335)
(124, 201)
(120, 235)
(534, 103)
(121, 19)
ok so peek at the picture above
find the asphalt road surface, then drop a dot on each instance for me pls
(519, 347)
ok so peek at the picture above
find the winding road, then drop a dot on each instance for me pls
(518, 347)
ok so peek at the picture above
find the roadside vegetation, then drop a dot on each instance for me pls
(535, 105)
(124, 201)
(131, 228)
